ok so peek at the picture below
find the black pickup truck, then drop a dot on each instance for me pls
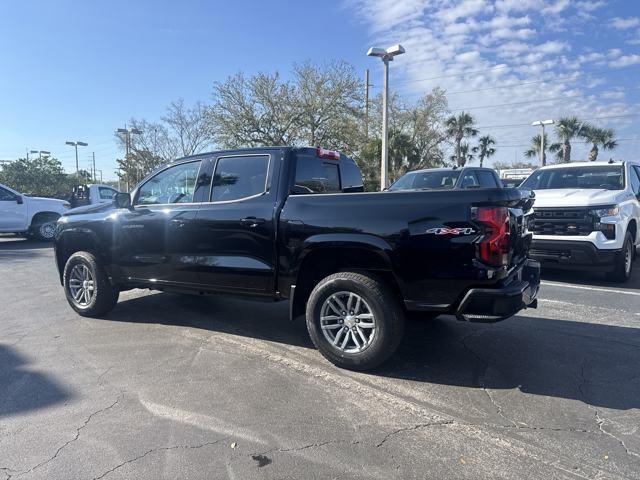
(294, 223)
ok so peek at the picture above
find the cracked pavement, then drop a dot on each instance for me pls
(170, 386)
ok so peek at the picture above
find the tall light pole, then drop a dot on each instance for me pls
(77, 144)
(542, 123)
(386, 56)
(127, 132)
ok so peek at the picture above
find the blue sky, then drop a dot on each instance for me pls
(76, 70)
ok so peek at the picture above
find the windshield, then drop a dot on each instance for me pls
(608, 177)
(429, 180)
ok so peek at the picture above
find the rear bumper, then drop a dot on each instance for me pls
(572, 255)
(495, 304)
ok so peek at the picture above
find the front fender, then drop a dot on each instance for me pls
(71, 240)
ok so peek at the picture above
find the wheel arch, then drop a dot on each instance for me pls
(328, 254)
(70, 241)
(40, 217)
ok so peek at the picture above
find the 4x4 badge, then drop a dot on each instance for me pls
(451, 231)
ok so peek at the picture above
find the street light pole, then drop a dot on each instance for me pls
(543, 155)
(387, 56)
(77, 144)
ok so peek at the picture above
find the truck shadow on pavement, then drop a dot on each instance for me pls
(594, 363)
(16, 249)
(22, 389)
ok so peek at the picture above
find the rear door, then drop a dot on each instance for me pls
(236, 226)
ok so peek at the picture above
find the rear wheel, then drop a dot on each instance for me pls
(87, 286)
(354, 320)
(623, 263)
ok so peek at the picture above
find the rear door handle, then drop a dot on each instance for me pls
(252, 221)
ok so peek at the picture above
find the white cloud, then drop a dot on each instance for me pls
(590, 6)
(625, 61)
(490, 54)
(625, 23)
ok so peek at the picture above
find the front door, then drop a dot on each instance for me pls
(13, 212)
(237, 227)
(155, 238)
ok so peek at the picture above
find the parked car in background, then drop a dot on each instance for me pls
(447, 179)
(32, 216)
(513, 177)
(586, 216)
(290, 223)
(92, 194)
(511, 182)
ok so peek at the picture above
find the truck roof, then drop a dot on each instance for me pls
(588, 164)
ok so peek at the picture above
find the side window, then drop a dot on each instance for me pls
(468, 180)
(106, 193)
(486, 179)
(315, 176)
(173, 185)
(239, 177)
(634, 179)
(6, 196)
(351, 177)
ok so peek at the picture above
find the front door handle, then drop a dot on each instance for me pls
(252, 222)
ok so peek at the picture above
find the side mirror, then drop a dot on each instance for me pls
(19, 199)
(122, 200)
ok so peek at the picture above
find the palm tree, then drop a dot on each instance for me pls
(464, 156)
(599, 137)
(534, 151)
(458, 128)
(567, 129)
(484, 148)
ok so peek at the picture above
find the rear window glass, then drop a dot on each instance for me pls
(239, 177)
(426, 180)
(316, 176)
(486, 179)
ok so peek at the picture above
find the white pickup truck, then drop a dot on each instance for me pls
(29, 215)
(586, 216)
(92, 194)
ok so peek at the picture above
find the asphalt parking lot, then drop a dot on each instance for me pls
(170, 386)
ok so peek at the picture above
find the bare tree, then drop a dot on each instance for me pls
(257, 111)
(329, 103)
(188, 128)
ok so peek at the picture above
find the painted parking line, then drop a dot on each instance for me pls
(596, 289)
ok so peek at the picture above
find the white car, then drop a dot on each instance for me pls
(586, 216)
(29, 215)
(92, 194)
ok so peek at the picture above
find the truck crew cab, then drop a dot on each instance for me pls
(586, 216)
(293, 223)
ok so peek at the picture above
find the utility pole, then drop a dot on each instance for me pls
(366, 105)
(543, 155)
(94, 165)
(386, 56)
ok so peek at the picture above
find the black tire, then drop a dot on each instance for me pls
(623, 266)
(44, 229)
(104, 296)
(378, 298)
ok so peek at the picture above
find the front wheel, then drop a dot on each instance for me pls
(354, 320)
(623, 263)
(87, 286)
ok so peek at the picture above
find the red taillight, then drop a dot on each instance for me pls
(493, 248)
(330, 154)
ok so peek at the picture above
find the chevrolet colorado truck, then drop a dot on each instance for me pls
(294, 223)
(30, 216)
(586, 216)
